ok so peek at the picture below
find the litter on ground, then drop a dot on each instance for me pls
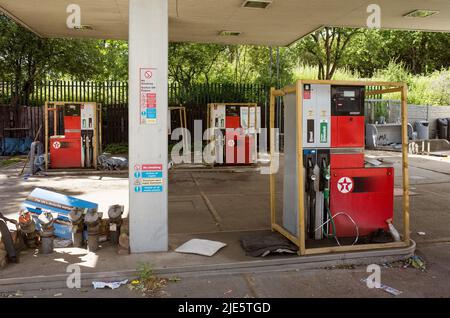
(112, 285)
(200, 247)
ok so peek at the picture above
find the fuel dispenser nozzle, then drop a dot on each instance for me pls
(326, 196)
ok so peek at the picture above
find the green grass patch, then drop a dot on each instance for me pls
(10, 161)
(116, 149)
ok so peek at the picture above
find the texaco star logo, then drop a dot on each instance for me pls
(231, 143)
(56, 145)
(345, 185)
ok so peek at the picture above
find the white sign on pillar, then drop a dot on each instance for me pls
(148, 64)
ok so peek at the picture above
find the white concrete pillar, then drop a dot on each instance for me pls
(148, 100)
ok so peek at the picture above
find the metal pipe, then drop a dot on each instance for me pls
(92, 220)
(46, 221)
(76, 220)
(115, 222)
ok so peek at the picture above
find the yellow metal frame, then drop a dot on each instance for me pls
(389, 87)
(254, 105)
(183, 122)
(97, 148)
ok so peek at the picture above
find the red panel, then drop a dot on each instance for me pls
(72, 126)
(366, 194)
(232, 122)
(354, 160)
(239, 149)
(65, 153)
(347, 131)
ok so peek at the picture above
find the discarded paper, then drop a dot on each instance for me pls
(200, 247)
(386, 288)
(112, 285)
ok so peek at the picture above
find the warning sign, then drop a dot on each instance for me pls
(148, 178)
(148, 96)
(307, 91)
(345, 185)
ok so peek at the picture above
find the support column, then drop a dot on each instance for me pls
(148, 100)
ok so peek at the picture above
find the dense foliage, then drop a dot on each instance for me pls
(420, 58)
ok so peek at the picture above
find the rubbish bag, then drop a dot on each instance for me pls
(10, 146)
(15, 146)
(107, 162)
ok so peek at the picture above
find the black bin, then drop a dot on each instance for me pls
(442, 128)
(448, 129)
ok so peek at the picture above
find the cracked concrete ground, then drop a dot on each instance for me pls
(241, 201)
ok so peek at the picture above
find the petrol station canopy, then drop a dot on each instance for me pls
(211, 21)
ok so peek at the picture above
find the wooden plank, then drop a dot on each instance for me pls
(46, 135)
(404, 116)
(300, 203)
(100, 128)
(95, 135)
(286, 234)
(353, 83)
(290, 89)
(278, 92)
(383, 91)
(272, 181)
(354, 248)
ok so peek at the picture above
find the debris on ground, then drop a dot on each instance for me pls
(58, 295)
(200, 247)
(148, 282)
(421, 233)
(264, 243)
(61, 243)
(112, 285)
(107, 162)
(341, 266)
(386, 288)
(417, 262)
(414, 261)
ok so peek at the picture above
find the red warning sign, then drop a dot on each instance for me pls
(307, 91)
(151, 167)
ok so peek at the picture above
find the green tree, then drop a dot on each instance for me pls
(325, 48)
(191, 63)
(26, 59)
(419, 52)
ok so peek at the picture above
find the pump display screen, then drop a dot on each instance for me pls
(347, 100)
(349, 94)
(72, 109)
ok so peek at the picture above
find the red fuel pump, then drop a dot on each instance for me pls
(78, 146)
(344, 197)
(235, 128)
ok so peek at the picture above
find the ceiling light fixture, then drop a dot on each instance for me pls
(421, 14)
(84, 27)
(257, 4)
(229, 33)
